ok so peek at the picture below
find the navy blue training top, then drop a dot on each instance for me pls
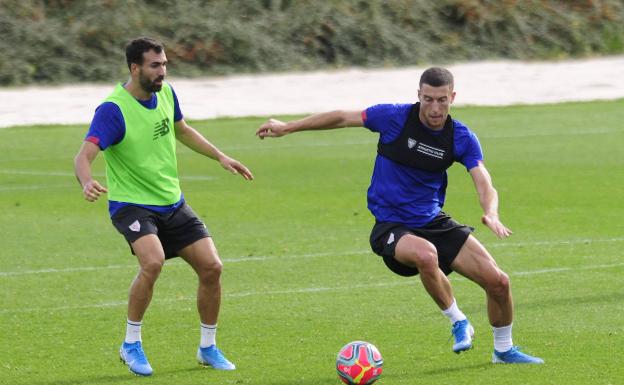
(403, 194)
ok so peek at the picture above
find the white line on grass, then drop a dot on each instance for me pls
(99, 175)
(532, 134)
(64, 270)
(560, 269)
(35, 159)
(177, 263)
(303, 290)
(295, 256)
(372, 140)
(37, 172)
(554, 243)
(29, 187)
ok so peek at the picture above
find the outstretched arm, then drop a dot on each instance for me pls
(321, 121)
(488, 198)
(196, 142)
(91, 188)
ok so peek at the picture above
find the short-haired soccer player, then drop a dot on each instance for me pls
(417, 144)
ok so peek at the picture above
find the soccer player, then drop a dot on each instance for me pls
(136, 127)
(417, 144)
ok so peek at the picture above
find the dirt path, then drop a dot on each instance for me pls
(477, 83)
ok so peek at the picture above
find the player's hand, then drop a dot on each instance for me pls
(235, 167)
(272, 128)
(497, 227)
(92, 190)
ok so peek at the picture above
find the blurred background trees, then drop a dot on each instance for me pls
(55, 41)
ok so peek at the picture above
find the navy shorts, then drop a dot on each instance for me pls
(176, 229)
(447, 236)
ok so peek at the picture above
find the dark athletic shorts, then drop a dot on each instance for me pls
(447, 236)
(176, 229)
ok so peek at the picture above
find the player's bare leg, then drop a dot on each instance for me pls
(475, 263)
(417, 252)
(150, 255)
(151, 258)
(203, 257)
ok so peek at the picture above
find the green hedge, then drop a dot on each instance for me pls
(64, 40)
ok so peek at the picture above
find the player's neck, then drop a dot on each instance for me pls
(135, 89)
(423, 121)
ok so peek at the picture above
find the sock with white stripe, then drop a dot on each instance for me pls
(133, 331)
(208, 335)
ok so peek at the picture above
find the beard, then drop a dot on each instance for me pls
(150, 85)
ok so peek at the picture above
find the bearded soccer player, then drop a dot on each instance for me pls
(136, 128)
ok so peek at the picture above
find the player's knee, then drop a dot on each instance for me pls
(423, 255)
(151, 269)
(426, 257)
(501, 285)
(211, 272)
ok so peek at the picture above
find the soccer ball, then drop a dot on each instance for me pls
(359, 363)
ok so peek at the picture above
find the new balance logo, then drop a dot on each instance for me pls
(161, 128)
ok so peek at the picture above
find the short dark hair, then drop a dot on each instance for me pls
(437, 77)
(137, 47)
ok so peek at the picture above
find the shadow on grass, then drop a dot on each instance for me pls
(118, 378)
(108, 379)
(165, 375)
(306, 381)
(462, 368)
(544, 303)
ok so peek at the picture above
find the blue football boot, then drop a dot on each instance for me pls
(133, 356)
(462, 333)
(212, 356)
(514, 356)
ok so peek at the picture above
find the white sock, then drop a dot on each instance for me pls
(502, 338)
(208, 335)
(133, 331)
(453, 313)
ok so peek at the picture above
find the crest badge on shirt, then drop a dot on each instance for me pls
(411, 143)
(135, 226)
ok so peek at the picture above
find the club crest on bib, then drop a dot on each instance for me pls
(420, 147)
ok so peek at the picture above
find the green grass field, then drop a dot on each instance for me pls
(299, 278)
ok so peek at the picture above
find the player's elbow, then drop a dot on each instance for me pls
(348, 118)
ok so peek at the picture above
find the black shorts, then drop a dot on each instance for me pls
(447, 236)
(176, 229)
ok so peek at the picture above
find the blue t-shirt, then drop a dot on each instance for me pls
(108, 128)
(403, 194)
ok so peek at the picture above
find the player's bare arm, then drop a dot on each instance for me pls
(323, 121)
(91, 188)
(488, 198)
(191, 138)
